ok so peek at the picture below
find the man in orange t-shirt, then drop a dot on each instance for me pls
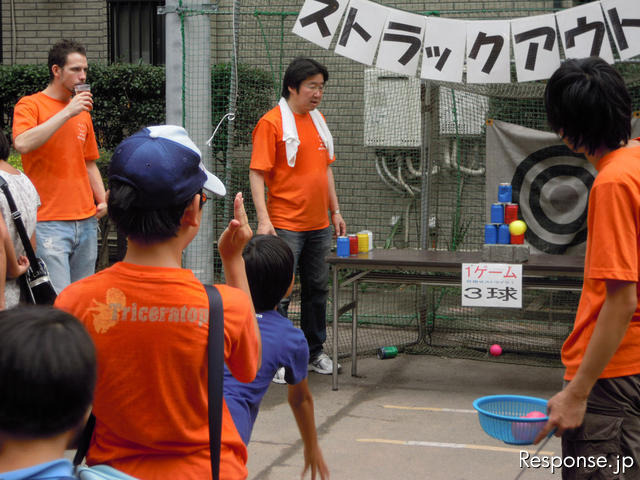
(598, 411)
(148, 317)
(54, 133)
(292, 154)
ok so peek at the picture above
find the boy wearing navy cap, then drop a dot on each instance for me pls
(149, 317)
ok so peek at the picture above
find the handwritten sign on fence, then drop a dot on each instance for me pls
(492, 285)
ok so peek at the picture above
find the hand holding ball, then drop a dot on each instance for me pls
(517, 227)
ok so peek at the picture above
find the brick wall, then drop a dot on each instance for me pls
(33, 26)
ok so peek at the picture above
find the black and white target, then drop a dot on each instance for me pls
(552, 188)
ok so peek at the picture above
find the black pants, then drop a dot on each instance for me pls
(607, 445)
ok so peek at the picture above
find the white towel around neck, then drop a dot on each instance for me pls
(290, 132)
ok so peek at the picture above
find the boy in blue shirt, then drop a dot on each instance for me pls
(269, 266)
(47, 373)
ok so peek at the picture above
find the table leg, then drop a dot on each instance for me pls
(336, 289)
(354, 330)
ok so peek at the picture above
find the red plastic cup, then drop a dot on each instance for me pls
(517, 239)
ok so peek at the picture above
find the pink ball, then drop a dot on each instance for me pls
(535, 414)
(524, 433)
(495, 350)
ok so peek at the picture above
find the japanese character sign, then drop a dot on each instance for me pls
(583, 32)
(401, 42)
(443, 49)
(492, 285)
(318, 20)
(361, 31)
(488, 52)
(535, 47)
(624, 23)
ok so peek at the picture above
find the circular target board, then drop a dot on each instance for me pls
(552, 188)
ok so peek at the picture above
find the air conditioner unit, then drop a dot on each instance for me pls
(391, 109)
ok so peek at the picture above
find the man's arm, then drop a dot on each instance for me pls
(256, 180)
(230, 245)
(567, 408)
(336, 217)
(95, 180)
(301, 403)
(37, 136)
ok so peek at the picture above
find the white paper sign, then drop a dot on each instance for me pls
(318, 20)
(401, 42)
(488, 52)
(583, 32)
(535, 47)
(361, 30)
(443, 49)
(492, 285)
(624, 24)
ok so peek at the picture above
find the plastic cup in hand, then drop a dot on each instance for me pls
(82, 87)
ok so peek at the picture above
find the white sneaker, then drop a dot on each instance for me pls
(323, 364)
(279, 377)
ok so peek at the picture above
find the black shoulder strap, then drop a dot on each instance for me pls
(216, 375)
(84, 440)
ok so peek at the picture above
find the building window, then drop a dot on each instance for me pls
(136, 32)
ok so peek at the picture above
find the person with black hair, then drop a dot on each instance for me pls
(48, 374)
(53, 132)
(292, 155)
(269, 264)
(598, 411)
(27, 201)
(149, 317)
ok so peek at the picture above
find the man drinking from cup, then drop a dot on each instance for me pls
(53, 131)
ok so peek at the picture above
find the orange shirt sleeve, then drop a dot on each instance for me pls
(91, 152)
(613, 249)
(25, 116)
(265, 139)
(240, 336)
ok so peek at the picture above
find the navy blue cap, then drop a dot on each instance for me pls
(164, 165)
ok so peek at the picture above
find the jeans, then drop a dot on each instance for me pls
(69, 248)
(309, 252)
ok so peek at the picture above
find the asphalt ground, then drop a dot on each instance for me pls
(410, 417)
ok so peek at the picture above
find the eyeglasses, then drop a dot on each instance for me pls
(316, 87)
(203, 199)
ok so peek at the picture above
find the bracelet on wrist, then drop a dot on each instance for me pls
(335, 211)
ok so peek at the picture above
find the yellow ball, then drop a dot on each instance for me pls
(517, 227)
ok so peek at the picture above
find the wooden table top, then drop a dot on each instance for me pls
(446, 261)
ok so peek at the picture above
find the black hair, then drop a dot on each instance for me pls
(142, 225)
(588, 104)
(4, 146)
(47, 372)
(60, 51)
(268, 261)
(298, 71)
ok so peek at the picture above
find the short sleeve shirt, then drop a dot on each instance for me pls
(150, 328)
(613, 245)
(58, 168)
(283, 345)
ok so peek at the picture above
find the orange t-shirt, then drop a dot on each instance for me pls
(297, 197)
(58, 168)
(613, 245)
(150, 327)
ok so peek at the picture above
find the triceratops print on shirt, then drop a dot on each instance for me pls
(115, 309)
